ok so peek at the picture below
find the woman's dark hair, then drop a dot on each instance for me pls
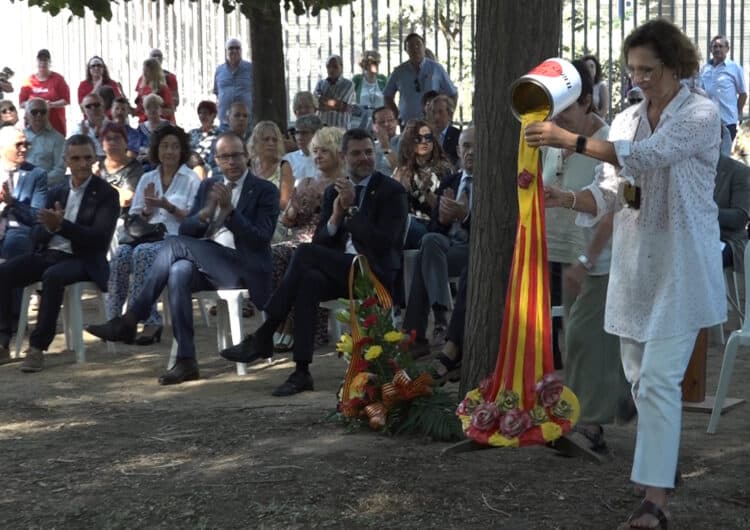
(210, 106)
(669, 44)
(587, 85)
(407, 156)
(105, 71)
(162, 132)
(593, 59)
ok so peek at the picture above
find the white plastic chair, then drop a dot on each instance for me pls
(72, 314)
(229, 304)
(737, 338)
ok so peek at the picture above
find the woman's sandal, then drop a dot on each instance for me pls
(445, 369)
(646, 508)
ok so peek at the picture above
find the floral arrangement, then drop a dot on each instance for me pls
(383, 387)
(505, 422)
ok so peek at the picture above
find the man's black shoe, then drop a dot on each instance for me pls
(249, 350)
(183, 370)
(297, 382)
(119, 329)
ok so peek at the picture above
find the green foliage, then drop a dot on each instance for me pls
(102, 10)
(433, 416)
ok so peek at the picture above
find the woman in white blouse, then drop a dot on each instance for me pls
(164, 195)
(665, 283)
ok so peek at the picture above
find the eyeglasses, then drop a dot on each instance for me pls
(96, 65)
(417, 86)
(644, 74)
(38, 112)
(7, 110)
(230, 156)
(92, 105)
(424, 138)
(234, 48)
(24, 144)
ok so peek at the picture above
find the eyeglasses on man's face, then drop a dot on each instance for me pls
(90, 106)
(38, 112)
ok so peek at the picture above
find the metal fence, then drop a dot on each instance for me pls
(192, 34)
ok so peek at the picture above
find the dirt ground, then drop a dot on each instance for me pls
(102, 445)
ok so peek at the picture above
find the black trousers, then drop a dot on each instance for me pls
(56, 270)
(457, 323)
(315, 274)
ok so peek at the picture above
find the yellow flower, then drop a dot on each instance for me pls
(393, 336)
(550, 431)
(345, 344)
(373, 352)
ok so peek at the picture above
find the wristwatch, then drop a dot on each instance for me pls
(586, 262)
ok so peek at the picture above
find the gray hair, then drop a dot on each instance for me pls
(311, 121)
(42, 103)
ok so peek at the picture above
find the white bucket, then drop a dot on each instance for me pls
(553, 84)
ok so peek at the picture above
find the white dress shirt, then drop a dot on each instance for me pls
(224, 235)
(72, 205)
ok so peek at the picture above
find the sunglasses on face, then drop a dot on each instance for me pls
(92, 106)
(38, 112)
(25, 144)
(424, 138)
(233, 48)
(7, 110)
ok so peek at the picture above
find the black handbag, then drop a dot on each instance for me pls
(137, 230)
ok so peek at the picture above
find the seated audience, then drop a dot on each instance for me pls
(164, 195)
(8, 113)
(108, 97)
(223, 244)
(266, 147)
(120, 113)
(121, 171)
(364, 213)
(153, 82)
(444, 252)
(732, 196)
(196, 163)
(387, 142)
(70, 239)
(23, 192)
(298, 221)
(46, 151)
(97, 76)
(94, 118)
(421, 166)
(302, 161)
(203, 138)
(152, 106)
(440, 115)
(304, 103)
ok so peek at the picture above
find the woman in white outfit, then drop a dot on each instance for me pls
(665, 284)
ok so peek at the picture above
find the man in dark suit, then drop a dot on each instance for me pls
(224, 243)
(70, 238)
(364, 213)
(22, 192)
(444, 252)
(440, 114)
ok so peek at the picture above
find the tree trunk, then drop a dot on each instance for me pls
(269, 83)
(503, 55)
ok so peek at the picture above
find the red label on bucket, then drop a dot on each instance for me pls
(548, 69)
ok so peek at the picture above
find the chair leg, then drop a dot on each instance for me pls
(23, 317)
(103, 316)
(72, 301)
(233, 320)
(727, 365)
(172, 354)
(204, 311)
(166, 315)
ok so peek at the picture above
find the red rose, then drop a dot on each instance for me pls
(369, 302)
(485, 417)
(484, 386)
(514, 422)
(548, 390)
(370, 321)
(525, 179)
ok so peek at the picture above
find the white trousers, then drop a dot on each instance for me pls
(655, 370)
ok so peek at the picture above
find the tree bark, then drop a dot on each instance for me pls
(269, 83)
(503, 55)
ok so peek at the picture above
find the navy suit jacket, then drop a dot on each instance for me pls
(450, 144)
(452, 182)
(91, 233)
(30, 194)
(377, 229)
(252, 223)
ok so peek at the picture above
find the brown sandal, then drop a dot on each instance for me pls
(647, 508)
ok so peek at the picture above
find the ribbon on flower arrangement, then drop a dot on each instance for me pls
(523, 402)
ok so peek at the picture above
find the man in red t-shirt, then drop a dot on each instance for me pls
(50, 86)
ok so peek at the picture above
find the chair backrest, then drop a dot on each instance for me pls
(746, 321)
